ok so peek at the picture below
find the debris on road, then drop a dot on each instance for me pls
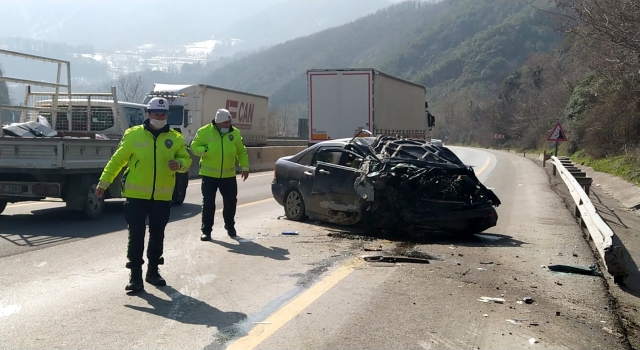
(591, 270)
(290, 233)
(394, 259)
(527, 300)
(489, 299)
(612, 332)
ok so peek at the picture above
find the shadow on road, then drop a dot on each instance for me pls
(54, 225)
(606, 213)
(247, 247)
(489, 238)
(185, 309)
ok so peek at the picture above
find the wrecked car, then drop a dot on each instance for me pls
(384, 182)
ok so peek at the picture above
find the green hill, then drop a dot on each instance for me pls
(449, 46)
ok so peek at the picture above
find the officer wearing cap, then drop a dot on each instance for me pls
(218, 145)
(153, 153)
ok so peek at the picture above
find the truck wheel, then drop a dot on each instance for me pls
(180, 190)
(3, 205)
(92, 206)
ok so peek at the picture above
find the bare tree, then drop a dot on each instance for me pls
(274, 122)
(610, 34)
(130, 87)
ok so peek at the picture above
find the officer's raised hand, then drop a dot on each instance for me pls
(174, 165)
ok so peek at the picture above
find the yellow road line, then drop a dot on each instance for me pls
(250, 204)
(262, 331)
(484, 167)
(44, 202)
(32, 203)
(250, 176)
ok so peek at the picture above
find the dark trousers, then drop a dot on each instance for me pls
(229, 190)
(136, 212)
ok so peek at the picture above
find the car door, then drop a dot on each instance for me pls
(333, 188)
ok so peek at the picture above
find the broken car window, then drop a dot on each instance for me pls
(332, 157)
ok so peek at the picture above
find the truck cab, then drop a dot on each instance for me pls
(180, 111)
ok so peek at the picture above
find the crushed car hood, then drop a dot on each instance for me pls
(410, 181)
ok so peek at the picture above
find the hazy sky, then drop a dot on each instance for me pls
(118, 24)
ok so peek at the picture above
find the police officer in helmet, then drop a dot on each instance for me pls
(153, 153)
(219, 144)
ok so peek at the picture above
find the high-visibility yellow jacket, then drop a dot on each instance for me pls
(148, 175)
(218, 152)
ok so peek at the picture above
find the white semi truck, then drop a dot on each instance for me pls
(193, 106)
(343, 102)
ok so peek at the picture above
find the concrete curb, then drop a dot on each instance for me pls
(627, 193)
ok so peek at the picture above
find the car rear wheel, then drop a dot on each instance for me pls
(294, 206)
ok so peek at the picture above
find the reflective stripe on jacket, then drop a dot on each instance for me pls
(148, 175)
(218, 152)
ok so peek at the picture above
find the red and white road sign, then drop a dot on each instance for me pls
(557, 134)
(497, 136)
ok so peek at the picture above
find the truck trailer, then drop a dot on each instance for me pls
(195, 105)
(344, 102)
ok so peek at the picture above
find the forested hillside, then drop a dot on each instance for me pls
(450, 46)
(511, 67)
(590, 84)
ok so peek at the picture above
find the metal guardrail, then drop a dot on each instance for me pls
(601, 234)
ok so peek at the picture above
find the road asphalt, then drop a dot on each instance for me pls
(617, 201)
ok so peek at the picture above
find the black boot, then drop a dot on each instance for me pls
(135, 280)
(205, 237)
(231, 231)
(153, 276)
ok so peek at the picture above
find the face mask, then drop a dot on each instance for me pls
(224, 130)
(157, 123)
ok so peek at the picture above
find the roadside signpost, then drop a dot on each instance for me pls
(557, 135)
